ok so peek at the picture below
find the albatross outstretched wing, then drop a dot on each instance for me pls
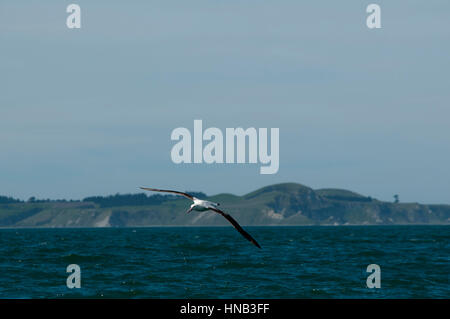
(237, 226)
(168, 191)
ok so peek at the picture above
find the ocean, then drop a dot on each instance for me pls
(216, 262)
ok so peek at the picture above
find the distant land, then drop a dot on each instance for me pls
(281, 204)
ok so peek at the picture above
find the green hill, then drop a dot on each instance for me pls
(280, 204)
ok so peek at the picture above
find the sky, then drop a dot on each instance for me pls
(90, 111)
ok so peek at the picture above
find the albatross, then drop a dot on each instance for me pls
(204, 205)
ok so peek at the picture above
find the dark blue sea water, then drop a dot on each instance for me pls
(216, 262)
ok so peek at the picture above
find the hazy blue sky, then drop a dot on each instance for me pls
(90, 111)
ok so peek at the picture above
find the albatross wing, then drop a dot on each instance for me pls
(168, 191)
(237, 226)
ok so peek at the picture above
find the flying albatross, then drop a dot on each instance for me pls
(203, 205)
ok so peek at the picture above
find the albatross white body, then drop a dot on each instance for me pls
(202, 205)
